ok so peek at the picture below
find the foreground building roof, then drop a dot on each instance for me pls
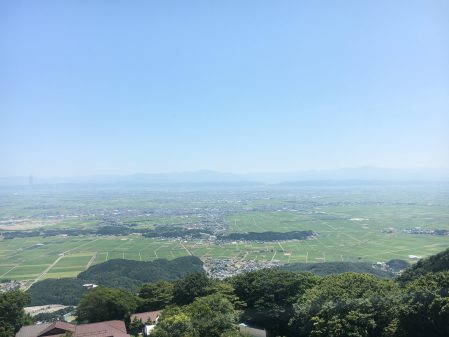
(101, 329)
(144, 317)
(47, 329)
(58, 329)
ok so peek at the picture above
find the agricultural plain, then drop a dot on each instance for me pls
(48, 232)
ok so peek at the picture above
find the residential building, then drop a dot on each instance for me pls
(59, 329)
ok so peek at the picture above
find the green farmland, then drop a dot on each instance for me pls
(27, 264)
(352, 224)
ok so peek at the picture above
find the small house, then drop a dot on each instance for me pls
(148, 320)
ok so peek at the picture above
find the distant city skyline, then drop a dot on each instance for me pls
(118, 88)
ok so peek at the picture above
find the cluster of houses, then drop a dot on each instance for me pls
(10, 285)
(115, 328)
(223, 268)
(429, 231)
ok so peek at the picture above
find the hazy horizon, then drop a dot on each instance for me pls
(362, 174)
(243, 88)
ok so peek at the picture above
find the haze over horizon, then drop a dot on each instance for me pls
(118, 88)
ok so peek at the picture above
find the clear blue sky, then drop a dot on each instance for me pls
(118, 87)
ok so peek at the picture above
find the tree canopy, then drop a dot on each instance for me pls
(156, 296)
(103, 304)
(270, 294)
(190, 287)
(434, 263)
(208, 316)
(67, 291)
(131, 275)
(12, 315)
(425, 309)
(348, 305)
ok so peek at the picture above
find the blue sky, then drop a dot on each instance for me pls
(118, 87)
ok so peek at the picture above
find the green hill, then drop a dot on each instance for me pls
(125, 274)
(67, 291)
(328, 268)
(130, 275)
(432, 264)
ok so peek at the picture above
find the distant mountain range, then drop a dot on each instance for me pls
(213, 177)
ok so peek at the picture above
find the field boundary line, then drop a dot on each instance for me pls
(279, 244)
(275, 251)
(82, 245)
(188, 251)
(45, 271)
(92, 259)
(256, 225)
(9, 270)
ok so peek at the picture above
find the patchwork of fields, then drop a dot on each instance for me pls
(352, 225)
(26, 259)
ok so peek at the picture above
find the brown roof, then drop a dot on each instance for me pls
(101, 329)
(146, 316)
(47, 329)
(57, 328)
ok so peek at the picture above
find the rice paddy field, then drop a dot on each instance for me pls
(353, 224)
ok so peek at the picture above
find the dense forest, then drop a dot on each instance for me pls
(67, 291)
(111, 230)
(435, 263)
(329, 268)
(124, 274)
(285, 303)
(175, 232)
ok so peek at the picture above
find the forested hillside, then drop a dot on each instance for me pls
(128, 274)
(328, 268)
(432, 264)
(67, 291)
(124, 274)
(286, 303)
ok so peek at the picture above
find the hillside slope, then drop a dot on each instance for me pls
(125, 274)
(327, 268)
(432, 264)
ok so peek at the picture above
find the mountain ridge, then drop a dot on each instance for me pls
(210, 176)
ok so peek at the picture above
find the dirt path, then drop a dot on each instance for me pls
(92, 259)
(188, 251)
(45, 272)
(9, 270)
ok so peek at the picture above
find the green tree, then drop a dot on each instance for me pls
(348, 305)
(432, 264)
(208, 316)
(174, 323)
(270, 295)
(102, 304)
(156, 296)
(212, 315)
(226, 290)
(12, 315)
(425, 309)
(135, 327)
(190, 287)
